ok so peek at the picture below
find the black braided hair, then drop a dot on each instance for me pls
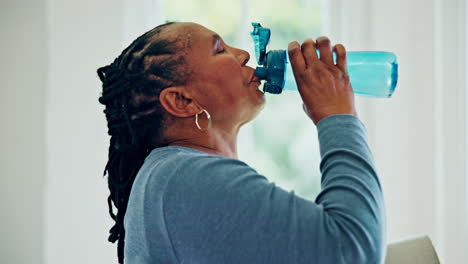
(135, 118)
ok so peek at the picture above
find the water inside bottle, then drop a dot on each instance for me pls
(372, 74)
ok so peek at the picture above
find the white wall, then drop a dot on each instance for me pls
(53, 138)
(23, 80)
(84, 35)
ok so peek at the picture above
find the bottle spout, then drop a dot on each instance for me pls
(261, 73)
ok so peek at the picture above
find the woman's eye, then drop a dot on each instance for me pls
(219, 47)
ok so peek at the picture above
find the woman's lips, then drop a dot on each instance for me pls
(255, 79)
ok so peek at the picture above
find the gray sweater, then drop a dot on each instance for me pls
(187, 206)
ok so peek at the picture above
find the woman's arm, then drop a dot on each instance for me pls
(220, 210)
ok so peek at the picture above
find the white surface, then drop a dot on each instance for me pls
(412, 251)
(23, 80)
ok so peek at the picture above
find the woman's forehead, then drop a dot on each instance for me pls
(192, 34)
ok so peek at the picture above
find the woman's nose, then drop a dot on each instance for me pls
(243, 56)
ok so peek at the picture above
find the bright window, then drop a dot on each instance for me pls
(282, 142)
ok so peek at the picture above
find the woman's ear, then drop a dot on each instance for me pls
(178, 102)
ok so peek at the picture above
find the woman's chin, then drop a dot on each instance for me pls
(257, 100)
(260, 104)
(259, 90)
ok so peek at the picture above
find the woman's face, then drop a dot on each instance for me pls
(220, 79)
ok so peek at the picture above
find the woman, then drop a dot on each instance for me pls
(175, 100)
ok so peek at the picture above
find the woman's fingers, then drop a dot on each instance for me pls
(324, 86)
(296, 59)
(341, 60)
(310, 57)
(326, 56)
(309, 52)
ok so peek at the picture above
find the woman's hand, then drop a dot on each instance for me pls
(324, 87)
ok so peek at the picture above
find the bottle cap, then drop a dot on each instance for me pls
(273, 61)
(261, 37)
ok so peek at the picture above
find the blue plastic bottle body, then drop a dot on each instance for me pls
(372, 73)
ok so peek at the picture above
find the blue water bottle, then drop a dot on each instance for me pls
(372, 73)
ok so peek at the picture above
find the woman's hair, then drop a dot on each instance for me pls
(135, 118)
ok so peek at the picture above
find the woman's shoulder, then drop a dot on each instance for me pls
(173, 157)
(188, 165)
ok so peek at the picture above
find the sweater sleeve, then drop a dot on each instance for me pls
(220, 210)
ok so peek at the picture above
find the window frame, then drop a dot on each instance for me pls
(359, 24)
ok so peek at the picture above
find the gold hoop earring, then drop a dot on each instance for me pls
(208, 116)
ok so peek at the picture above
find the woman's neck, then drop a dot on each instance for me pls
(213, 141)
